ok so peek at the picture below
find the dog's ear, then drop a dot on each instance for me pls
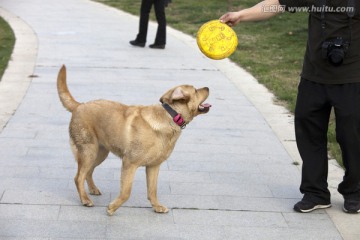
(174, 95)
(179, 94)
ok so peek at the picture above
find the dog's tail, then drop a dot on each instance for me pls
(65, 97)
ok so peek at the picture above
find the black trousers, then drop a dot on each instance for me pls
(313, 107)
(145, 9)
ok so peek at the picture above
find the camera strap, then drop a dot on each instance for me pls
(350, 11)
(323, 23)
(350, 8)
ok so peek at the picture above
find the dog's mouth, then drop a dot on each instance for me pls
(204, 107)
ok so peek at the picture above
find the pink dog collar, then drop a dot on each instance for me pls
(177, 118)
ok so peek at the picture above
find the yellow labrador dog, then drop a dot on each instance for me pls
(140, 135)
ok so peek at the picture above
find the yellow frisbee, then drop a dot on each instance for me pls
(216, 40)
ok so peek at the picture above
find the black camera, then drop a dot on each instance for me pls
(334, 50)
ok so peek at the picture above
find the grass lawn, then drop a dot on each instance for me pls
(7, 41)
(272, 51)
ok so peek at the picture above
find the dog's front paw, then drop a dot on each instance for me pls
(161, 209)
(109, 211)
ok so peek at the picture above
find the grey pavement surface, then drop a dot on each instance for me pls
(231, 175)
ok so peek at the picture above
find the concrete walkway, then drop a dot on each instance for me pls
(231, 175)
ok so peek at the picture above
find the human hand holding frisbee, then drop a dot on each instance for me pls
(216, 40)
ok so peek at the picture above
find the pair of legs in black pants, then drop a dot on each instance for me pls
(159, 6)
(313, 107)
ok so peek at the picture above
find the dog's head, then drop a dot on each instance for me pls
(187, 100)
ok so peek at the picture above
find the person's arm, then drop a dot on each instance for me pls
(261, 11)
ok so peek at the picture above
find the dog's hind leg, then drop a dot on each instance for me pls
(79, 179)
(85, 157)
(127, 177)
(152, 173)
(101, 156)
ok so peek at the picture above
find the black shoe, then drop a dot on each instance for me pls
(137, 44)
(157, 46)
(351, 206)
(305, 206)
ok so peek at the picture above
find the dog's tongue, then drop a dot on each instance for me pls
(206, 105)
